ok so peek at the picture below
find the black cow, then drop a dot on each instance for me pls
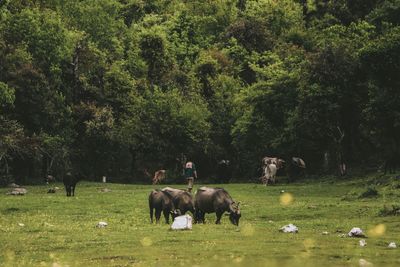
(210, 200)
(161, 201)
(183, 200)
(70, 182)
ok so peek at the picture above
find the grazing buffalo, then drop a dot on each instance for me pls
(209, 200)
(70, 182)
(183, 200)
(161, 201)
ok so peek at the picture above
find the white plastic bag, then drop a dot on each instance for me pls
(183, 222)
(356, 232)
(290, 228)
(101, 224)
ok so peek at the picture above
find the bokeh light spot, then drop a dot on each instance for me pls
(378, 230)
(146, 242)
(286, 199)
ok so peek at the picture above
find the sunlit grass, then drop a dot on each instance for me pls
(41, 229)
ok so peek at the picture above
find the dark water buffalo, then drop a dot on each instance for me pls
(70, 182)
(209, 200)
(161, 201)
(183, 200)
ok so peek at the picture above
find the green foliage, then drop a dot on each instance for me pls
(7, 95)
(112, 86)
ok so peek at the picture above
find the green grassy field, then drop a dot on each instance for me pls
(60, 231)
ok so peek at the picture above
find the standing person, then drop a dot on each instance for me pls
(190, 174)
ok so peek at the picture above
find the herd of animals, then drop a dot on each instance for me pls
(175, 202)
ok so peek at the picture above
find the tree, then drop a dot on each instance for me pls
(380, 60)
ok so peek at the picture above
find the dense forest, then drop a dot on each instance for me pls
(124, 87)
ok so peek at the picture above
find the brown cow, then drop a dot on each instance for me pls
(158, 176)
(273, 160)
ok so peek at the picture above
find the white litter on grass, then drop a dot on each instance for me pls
(21, 224)
(290, 228)
(363, 243)
(392, 245)
(101, 224)
(183, 222)
(325, 233)
(356, 232)
(48, 224)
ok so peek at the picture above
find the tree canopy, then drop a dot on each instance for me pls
(122, 87)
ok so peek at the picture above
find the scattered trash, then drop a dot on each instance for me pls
(101, 224)
(183, 222)
(290, 228)
(325, 232)
(18, 191)
(271, 221)
(56, 188)
(312, 207)
(282, 191)
(105, 190)
(356, 232)
(48, 224)
(342, 235)
(364, 263)
(392, 245)
(21, 224)
(363, 243)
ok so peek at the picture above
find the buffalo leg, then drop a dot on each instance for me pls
(219, 214)
(151, 214)
(196, 216)
(68, 189)
(158, 215)
(166, 216)
(202, 217)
